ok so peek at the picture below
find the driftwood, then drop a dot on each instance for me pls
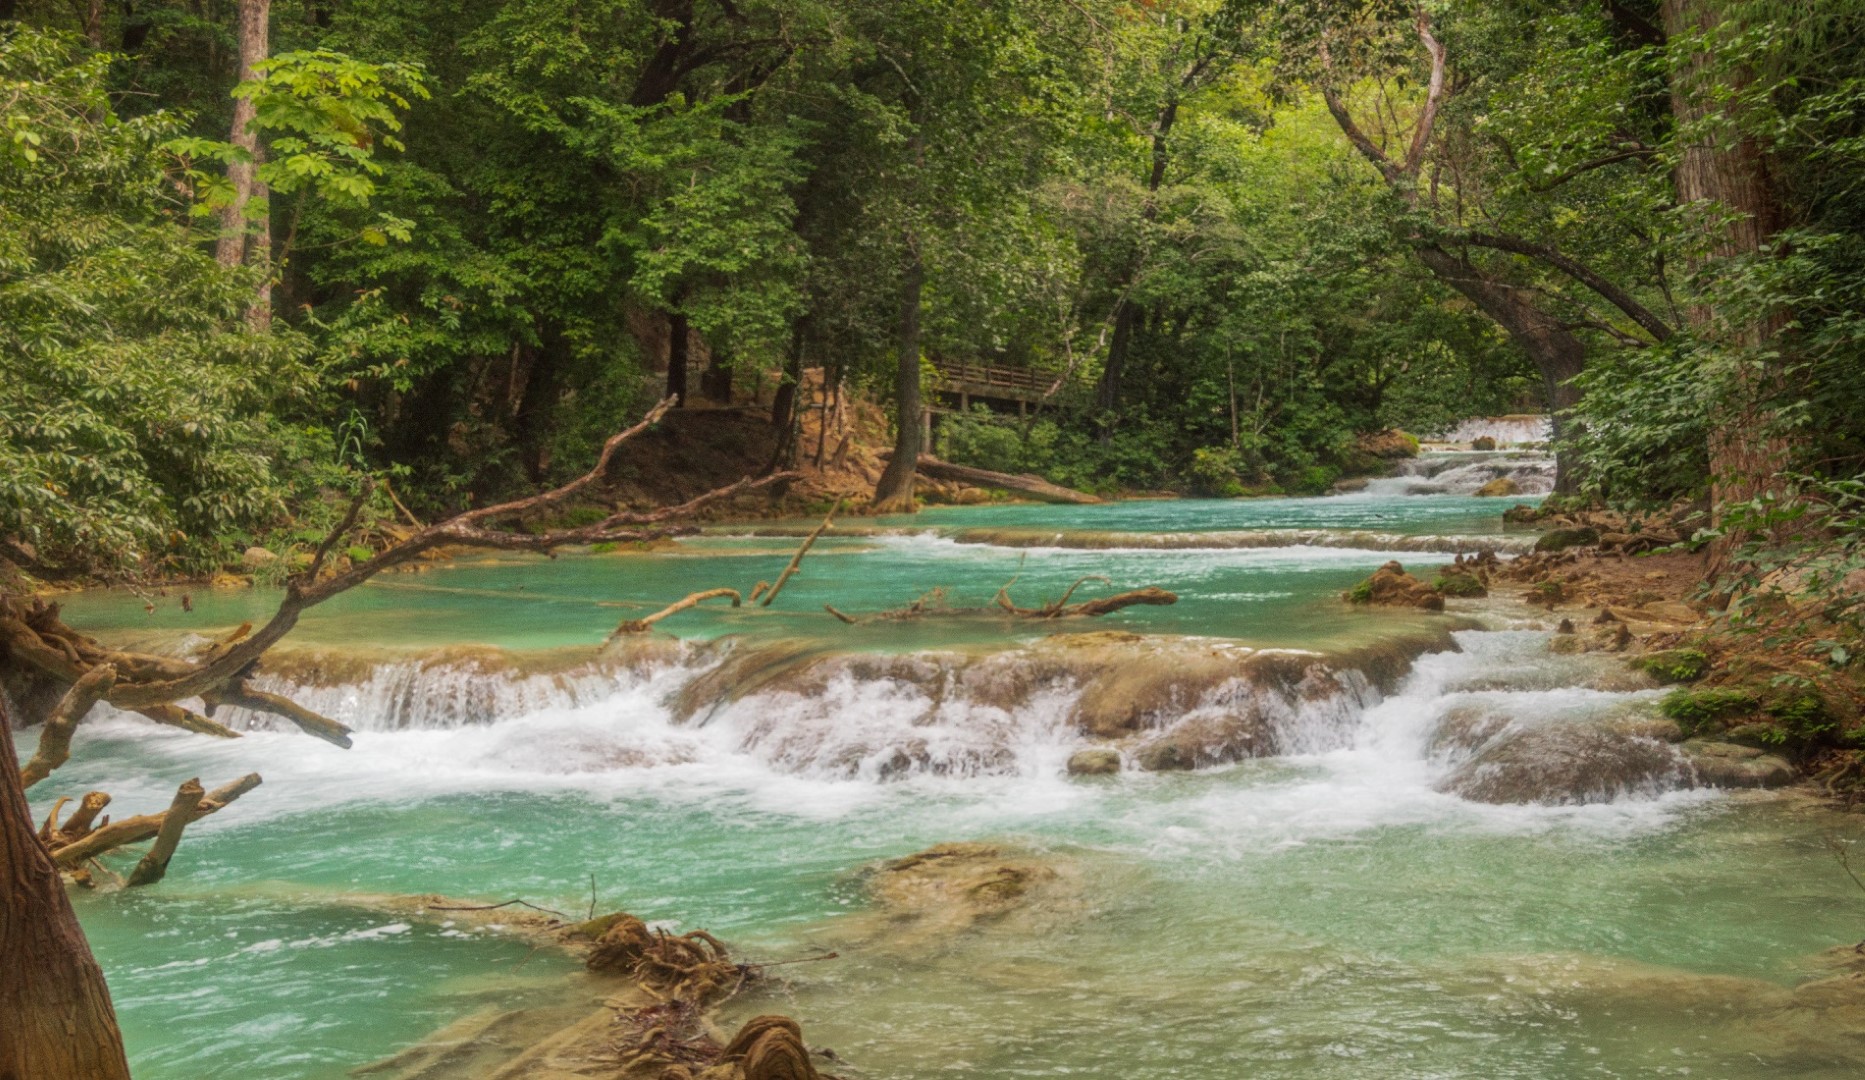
(641, 626)
(796, 561)
(134, 830)
(1024, 483)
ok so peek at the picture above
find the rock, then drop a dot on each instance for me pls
(1349, 485)
(1521, 514)
(1391, 586)
(1199, 742)
(971, 496)
(1497, 488)
(1483, 443)
(1461, 584)
(1567, 764)
(254, 557)
(1727, 765)
(1094, 762)
(1462, 730)
(1562, 539)
(223, 580)
(1389, 444)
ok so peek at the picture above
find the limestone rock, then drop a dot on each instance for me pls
(1569, 764)
(1391, 443)
(1098, 761)
(1727, 765)
(1391, 586)
(1483, 442)
(254, 557)
(1562, 539)
(1202, 741)
(1498, 488)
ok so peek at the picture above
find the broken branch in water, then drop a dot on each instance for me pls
(932, 603)
(640, 626)
(185, 808)
(136, 829)
(796, 561)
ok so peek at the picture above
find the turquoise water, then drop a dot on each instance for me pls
(1327, 913)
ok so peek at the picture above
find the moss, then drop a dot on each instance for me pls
(1699, 710)
(603, 548)
(1548, 592)
(359, 553)
(1673, 665)
(1460, 585)
(1361, 593)
(1562, 539)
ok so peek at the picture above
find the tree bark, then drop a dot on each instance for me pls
(245, 242)
(56, 1020)
(1126, 313)
(1034, 486)
(1724, 172)
(894, 492)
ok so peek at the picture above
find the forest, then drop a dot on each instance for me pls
(308, 291)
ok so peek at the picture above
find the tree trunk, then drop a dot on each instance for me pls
(1557, 354)
(677, 341)
(245, 242)
(1724, 172)
(894, 492)
(537, 406)
(56, 1020)
(1107, 389)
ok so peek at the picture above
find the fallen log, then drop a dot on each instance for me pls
(134, 830)
(1025, 484)
(1094, 609)
(641, 626)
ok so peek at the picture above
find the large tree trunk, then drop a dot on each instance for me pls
(56, 1021)
(1725, 173)
(894, 492)
(1557, 354)
(537, 406)
(246, 240)
(678, 339)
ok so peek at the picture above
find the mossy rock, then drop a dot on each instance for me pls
(1361, 593)
(1460, 585)
(1562, 539)
(1483, 443)
(1673, 665)
(1521, 514)
(1698, 710)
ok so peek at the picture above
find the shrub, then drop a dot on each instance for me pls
(1698, 710)
(1214, 471)
(1673, 665)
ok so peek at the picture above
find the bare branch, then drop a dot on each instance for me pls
(134, 830)
(185, 808)
(639, 626)
(55, 738)
(1434, 97)
(796, 561)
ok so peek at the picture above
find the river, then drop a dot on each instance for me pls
(1320, 908)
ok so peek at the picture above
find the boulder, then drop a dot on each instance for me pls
(1727, 765)
(1098, 761)
(1202, 741)
(1391, 586)
(1569, 764)
(1521, 514)
(1349, 485)
(1562, 539)
(255, 557)
(1389, 444)
(1484, 442)
(1498, 488)
(971, 496)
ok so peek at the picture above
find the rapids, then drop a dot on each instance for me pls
(1320, 904)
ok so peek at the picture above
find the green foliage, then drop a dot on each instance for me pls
(1673, 665)
(1697, 711)
(136, 404)
(1361, 593)
(1214, 471)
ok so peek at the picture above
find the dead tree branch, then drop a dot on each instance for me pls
(796, 561)
(640, 626)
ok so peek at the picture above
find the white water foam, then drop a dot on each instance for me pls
(1506, 430)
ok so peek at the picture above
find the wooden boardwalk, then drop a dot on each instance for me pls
(968, 381)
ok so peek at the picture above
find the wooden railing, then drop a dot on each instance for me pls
(986, 381)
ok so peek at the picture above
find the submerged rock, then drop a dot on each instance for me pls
(1500, 487)
(1094, 762)
(1202, 741)
(1569, 763)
